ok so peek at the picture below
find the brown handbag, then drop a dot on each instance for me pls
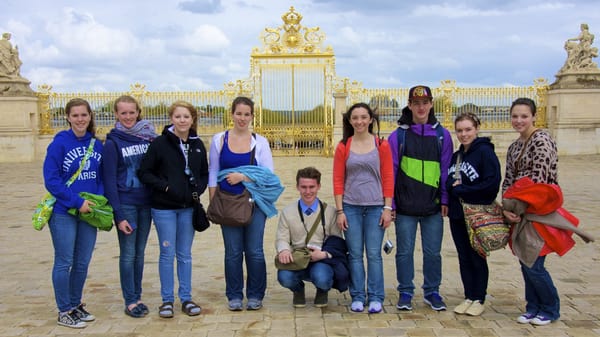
(231, 209)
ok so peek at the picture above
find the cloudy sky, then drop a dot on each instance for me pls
(90, 45)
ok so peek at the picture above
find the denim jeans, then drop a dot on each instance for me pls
(432, 231)
(474, 271)
(74, 242)
(132, 247)
(365, 233)
(319, 273)
(240, 242)
(175, 237)
(540, 293)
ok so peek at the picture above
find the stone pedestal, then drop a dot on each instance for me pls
(15, 87)
(338, 112)
(18, 128)
(577, 79)
(574, 119)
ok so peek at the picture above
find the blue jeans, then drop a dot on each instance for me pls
(132, 247)
(365, 233)
(432, 231)
(175, 237)
(74, 242)
(319, 273)
(240, 242)
(474, 271)
(540, 293)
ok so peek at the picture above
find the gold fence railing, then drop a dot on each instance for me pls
(492, 104)
(213, 108)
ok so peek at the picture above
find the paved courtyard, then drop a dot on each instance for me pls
(27, 306)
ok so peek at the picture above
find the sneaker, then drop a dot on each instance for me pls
(435, 301)
(254, 304)
(321, 299)
(375, 307)
(404, 302)
(541, 320)
(526, 318)
(462, 308)
(235, 305)
(476, 309)
(82, 314)
(70, 320)
(357, 306)
(299, 300)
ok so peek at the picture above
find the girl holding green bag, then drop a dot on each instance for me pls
(73, 238)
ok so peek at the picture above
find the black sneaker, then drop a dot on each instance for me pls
(82, 314)
(321, 299)
(70, 320)
(435, 301)
(299, 300)
(404, 302)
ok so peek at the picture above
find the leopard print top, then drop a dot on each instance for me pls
(539, 162)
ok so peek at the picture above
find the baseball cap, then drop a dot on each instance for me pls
(419, 92)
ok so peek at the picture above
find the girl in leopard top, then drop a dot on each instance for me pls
(533, 155)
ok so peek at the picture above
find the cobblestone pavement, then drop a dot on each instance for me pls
(27, 306)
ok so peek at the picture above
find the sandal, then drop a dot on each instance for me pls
(144, 308)
(166, 310)
(136, 312)
(190, 308)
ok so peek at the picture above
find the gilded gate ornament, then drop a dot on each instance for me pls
(292, 38)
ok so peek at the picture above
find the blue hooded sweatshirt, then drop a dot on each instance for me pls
(122, 156)
(480, 176)
(62, 160)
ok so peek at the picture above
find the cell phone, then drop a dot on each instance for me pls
(133, 226)
(313, 246)
(388, 246)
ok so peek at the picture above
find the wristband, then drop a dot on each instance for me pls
(388, 207)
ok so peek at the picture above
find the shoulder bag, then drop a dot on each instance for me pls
(301, 256)
(44, 208)
(485, 223)
(231, 209)
(199, 220)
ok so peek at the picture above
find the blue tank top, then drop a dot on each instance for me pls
(229, 159)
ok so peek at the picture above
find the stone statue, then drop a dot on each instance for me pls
(10, 64)
(11, 81)
(580, 51)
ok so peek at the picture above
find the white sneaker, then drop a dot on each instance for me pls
(525, 318)
(541, 320)
(475, 309)
(462, 308)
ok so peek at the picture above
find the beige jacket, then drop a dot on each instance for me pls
(291, 232)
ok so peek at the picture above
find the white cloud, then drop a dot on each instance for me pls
(78, 34)
(109, 45)
(350, 35)
(205, 40)
(44, 75)
(453, 11)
